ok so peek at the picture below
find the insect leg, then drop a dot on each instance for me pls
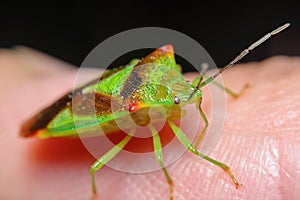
(203, 116)
(198, 81)
(159, 158)
(229, 91)
(185, 141)
(108, 156)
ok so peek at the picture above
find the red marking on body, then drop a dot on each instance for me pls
(167, 48)
(133, 106)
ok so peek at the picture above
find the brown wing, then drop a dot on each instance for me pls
(81, 104)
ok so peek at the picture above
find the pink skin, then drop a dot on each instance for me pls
(260, 139)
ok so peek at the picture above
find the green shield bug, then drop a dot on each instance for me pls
(132, 90)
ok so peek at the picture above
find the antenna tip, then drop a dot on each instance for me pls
(281, 28)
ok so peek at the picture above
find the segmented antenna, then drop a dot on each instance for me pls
(245, 52)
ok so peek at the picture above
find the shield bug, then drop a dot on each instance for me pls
(131, 90)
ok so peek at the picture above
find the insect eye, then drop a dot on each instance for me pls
(176, 100)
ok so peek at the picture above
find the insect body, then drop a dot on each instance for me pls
(123, 96)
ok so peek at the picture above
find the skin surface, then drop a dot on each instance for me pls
(260, 139)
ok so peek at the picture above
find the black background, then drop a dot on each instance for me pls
(69, 32)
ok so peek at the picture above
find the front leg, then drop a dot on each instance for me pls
(107, 157)
(188, 145)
